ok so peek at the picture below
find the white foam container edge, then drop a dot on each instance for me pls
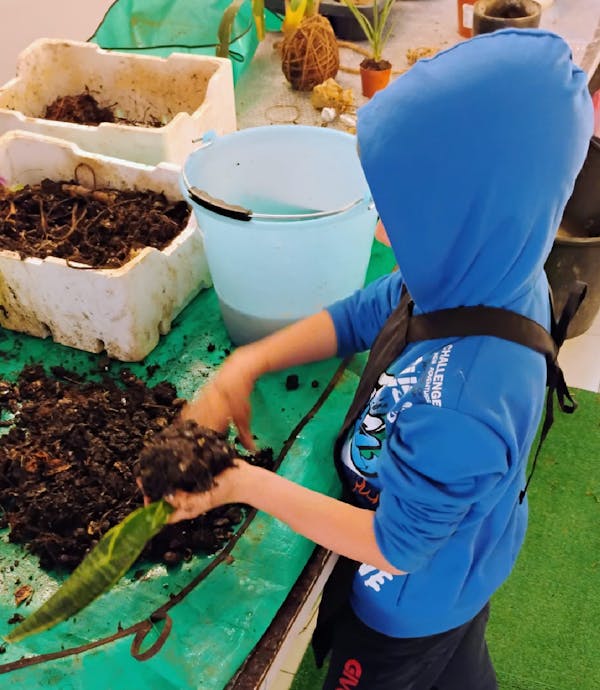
(189, 94)
(122, 311)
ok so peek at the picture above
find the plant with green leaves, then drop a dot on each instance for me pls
(102, 568)
(226, 24)
(376, 30)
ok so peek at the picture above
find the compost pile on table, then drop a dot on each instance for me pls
(67, 465)
(84, 109)
(102, 228)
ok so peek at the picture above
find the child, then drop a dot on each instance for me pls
(471, 157)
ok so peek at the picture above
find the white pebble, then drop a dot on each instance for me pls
(328, 114)
(348, 120)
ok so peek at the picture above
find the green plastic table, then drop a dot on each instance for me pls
(195, 625)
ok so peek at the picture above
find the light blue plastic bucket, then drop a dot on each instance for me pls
(287, 219)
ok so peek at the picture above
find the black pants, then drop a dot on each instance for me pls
(362, 659)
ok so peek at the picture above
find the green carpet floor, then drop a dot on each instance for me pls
(544, 631)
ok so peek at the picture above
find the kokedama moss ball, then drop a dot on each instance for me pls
(183, 456)
(310, 55)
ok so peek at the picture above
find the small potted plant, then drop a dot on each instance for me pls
(375, 72)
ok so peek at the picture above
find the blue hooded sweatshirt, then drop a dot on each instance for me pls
(470, 157)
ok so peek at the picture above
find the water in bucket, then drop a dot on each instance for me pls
(287, 219)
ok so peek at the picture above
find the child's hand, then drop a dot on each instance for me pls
(226, 398)
(189, 505)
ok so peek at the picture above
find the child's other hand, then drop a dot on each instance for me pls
(226, 398)
(190, 505)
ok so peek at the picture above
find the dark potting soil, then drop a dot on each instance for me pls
(102, 228)
(184, 456)
(84, 109)
(376, 65)
(68, 465)
(514, 9)
(292, 382)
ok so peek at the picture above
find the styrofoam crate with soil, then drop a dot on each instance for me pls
(161, 105)
(122, 311)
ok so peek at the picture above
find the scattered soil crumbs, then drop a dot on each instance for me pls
(102, 228)
(16, 618)
(84, 109)
(67, 466)
(292, 382)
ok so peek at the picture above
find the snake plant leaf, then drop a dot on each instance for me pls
(312, 8)
(225, 28)
(103, 567)
(258, 12)
(295, 11)
(376, 31)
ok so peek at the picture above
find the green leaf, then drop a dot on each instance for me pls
(258, 12)
(103, 567)
(374, 30)
(225, 27)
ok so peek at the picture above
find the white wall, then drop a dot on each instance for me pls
(22, 21)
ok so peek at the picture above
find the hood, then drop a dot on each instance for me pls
(471, 157)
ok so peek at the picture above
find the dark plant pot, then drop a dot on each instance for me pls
(342, 20)
(491, 15)
(575, 254)
(571, 259)
(582, 213)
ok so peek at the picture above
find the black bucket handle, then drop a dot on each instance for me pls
(224, 208)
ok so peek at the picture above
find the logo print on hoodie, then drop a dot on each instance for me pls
(377, 578)
(369, 431)
(434, 381)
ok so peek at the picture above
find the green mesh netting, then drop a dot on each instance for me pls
(156, 27)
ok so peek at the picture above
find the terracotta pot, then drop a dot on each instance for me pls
(491, 15)
(373, 79)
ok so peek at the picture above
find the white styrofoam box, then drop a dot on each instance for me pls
(190, 94)
(122, 311)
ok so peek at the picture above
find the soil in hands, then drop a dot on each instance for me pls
(184, 456)
(101, 228)
(68, 464)
(84, 109)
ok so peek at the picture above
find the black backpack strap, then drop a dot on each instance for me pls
(555, 378)
(386, 347)
(508, 325)
(493, 321)
(559, 327)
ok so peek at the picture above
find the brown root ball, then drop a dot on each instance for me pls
(310, 55)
